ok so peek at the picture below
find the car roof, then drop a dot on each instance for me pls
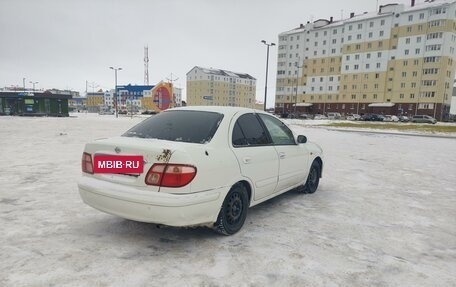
(228, 111)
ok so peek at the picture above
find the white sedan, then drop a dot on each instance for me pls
(202, 166)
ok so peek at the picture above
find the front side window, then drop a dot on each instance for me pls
(279, 132)
(179, 125)
(248, 131)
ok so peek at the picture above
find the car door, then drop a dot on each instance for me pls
(293, 158)
(257, 158)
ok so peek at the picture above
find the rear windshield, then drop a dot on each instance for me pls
(179, 126)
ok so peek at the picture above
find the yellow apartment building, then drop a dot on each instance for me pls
(398, 60)
(216, 87)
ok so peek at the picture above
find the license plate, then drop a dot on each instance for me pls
(127, 164)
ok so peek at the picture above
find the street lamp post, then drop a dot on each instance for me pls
(33, 83)
(115, 88)
(267, 63)
(297, 82)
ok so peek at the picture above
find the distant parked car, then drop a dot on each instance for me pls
(353, 117)
(148, 112)
(389, 118)
(334, 116)
(106, 112)
(201, 166)
(320, 117)
(404, 119)
(372, 118)
(423, 119)
(305, 116)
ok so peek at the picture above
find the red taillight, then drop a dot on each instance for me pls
(86, 163)
(170, 175)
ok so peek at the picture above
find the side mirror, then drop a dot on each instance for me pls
(302, 139)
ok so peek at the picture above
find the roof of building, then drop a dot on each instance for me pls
(368, 15)
(35, 94)
(135, 88)
(224, 73)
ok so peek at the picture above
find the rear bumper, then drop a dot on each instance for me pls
(150, 206)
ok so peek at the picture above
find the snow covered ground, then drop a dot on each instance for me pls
(384, 215)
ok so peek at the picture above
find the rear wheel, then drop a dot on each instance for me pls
(313, 179)
(233, 212)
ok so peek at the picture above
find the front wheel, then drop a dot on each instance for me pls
(313, 179)
(233, 212)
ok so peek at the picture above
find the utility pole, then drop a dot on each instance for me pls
(171, 80)
(146, 65)
(266, 80)
(115, 88)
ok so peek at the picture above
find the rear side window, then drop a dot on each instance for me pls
(179, 125)
(249, 131)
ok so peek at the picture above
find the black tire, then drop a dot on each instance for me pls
(313, 179)
(233, 212)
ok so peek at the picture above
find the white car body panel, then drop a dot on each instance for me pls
(260, 165)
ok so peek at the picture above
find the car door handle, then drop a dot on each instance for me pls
(282, 155)
(247, 160)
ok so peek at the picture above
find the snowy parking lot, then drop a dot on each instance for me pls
(384, 215)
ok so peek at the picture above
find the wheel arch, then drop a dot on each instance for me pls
(247, 186)
(320, 162)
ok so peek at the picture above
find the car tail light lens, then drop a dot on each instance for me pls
(86, 163)
(170, 175)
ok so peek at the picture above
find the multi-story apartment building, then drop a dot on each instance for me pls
(398, 60)
(215, 87)
(177, 96)
(95, 101)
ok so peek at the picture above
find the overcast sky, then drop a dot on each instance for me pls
(64, 43)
